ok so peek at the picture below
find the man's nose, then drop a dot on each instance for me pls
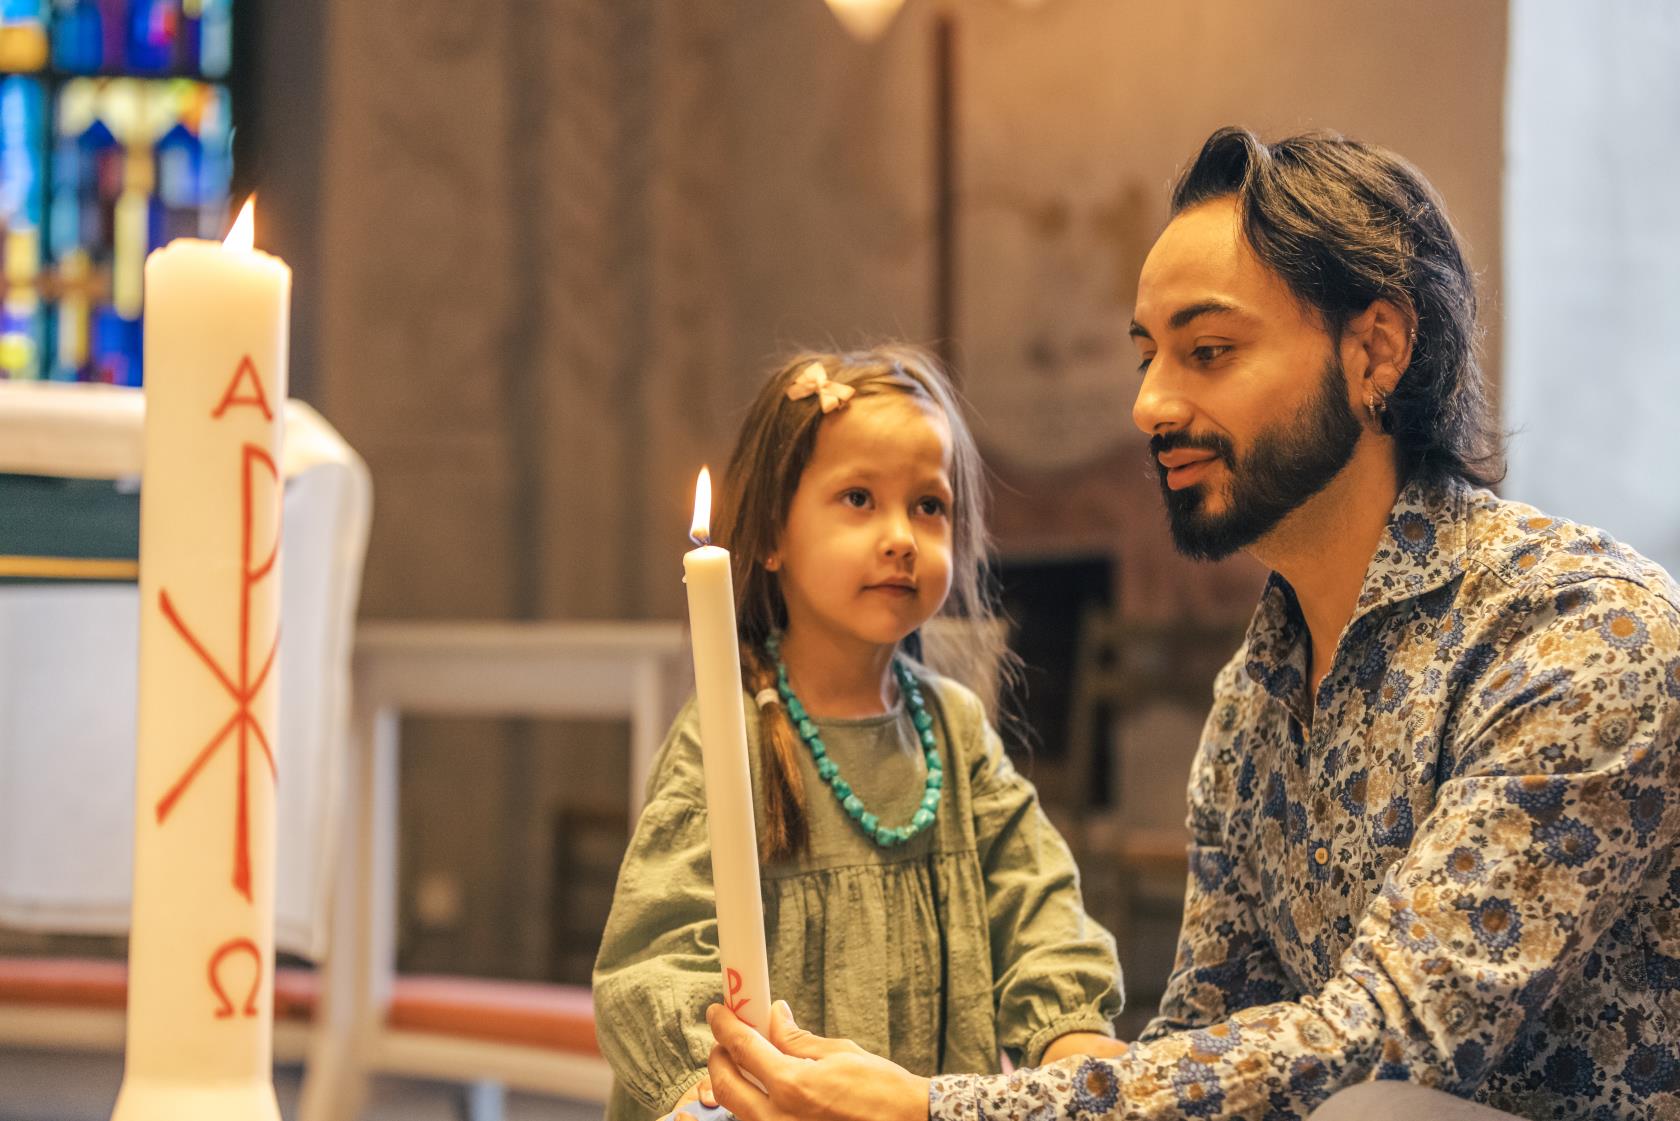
(1161, 405)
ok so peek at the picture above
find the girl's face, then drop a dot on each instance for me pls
(865, 555)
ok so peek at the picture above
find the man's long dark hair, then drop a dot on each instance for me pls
(1345, 223)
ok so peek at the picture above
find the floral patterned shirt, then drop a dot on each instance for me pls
(1454, 864)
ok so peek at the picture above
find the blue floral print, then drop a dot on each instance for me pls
(1489, 771)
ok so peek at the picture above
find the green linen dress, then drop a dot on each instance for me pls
(937, 953)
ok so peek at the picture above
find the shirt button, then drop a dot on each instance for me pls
(1321, 855)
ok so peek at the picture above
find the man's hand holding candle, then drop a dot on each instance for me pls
(807, 1077)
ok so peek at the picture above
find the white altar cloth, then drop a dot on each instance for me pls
(68, 677)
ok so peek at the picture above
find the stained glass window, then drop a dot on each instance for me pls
(115, 137)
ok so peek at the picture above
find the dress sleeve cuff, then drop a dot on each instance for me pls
(1091, 1020)
(666, 1096)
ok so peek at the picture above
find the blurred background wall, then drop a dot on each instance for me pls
(545, 250)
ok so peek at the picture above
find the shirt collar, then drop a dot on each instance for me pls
(1422, 548)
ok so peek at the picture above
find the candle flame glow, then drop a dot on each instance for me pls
(865, 19)
(244, 232)
(701, 530)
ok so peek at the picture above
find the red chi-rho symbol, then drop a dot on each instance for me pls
(243, 689)
(733, 1001)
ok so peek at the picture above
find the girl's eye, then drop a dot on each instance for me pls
(857, 498)
(1209, 353)
(931, 507)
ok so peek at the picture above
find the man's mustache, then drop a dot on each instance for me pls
(1161, 443)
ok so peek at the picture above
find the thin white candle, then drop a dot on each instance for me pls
(201, 944)
(723, 749)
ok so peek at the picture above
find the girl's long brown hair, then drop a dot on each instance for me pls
(771, 453)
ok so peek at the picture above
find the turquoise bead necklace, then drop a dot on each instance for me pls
(886, 836)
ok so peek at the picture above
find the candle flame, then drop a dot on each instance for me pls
(701, 531)
(244, 232)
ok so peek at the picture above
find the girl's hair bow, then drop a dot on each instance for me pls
(813, 378)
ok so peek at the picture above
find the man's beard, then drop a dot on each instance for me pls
(1288, 464)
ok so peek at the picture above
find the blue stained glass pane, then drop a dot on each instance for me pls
(215, 37)
(155, 38)
(137, 163)
(78, 36)
(116, 349)
(22, 150)
(140, 153)
(22, 133)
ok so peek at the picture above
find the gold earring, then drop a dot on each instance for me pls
(771, 564)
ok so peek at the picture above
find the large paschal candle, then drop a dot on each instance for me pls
(201, 943)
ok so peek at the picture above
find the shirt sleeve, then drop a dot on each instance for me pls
(658, 969)
(1539, 840)
(1224, 961)
(1055, 967)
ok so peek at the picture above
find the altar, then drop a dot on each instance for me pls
(68, 636)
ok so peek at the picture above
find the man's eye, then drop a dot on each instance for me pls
(1209, 353)
(857, 497)
(1143, 363)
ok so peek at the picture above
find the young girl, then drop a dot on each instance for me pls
(916, 899)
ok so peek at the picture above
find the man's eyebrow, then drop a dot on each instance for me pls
(1185, 315)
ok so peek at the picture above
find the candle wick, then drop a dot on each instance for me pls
(700, 537)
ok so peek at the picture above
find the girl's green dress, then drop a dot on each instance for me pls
(969, 939)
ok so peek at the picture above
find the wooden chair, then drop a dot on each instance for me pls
(488, 1035)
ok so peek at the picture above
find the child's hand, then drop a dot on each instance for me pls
(700, 1092)
(1086, 1043)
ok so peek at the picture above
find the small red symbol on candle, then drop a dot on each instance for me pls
(242, 692)
(236, 946)
(733, 980)
(244, 374)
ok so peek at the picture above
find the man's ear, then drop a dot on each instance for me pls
(1386, 331)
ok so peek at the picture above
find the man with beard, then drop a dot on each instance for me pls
(1435, 808)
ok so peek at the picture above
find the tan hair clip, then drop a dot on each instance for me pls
(813, 379)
